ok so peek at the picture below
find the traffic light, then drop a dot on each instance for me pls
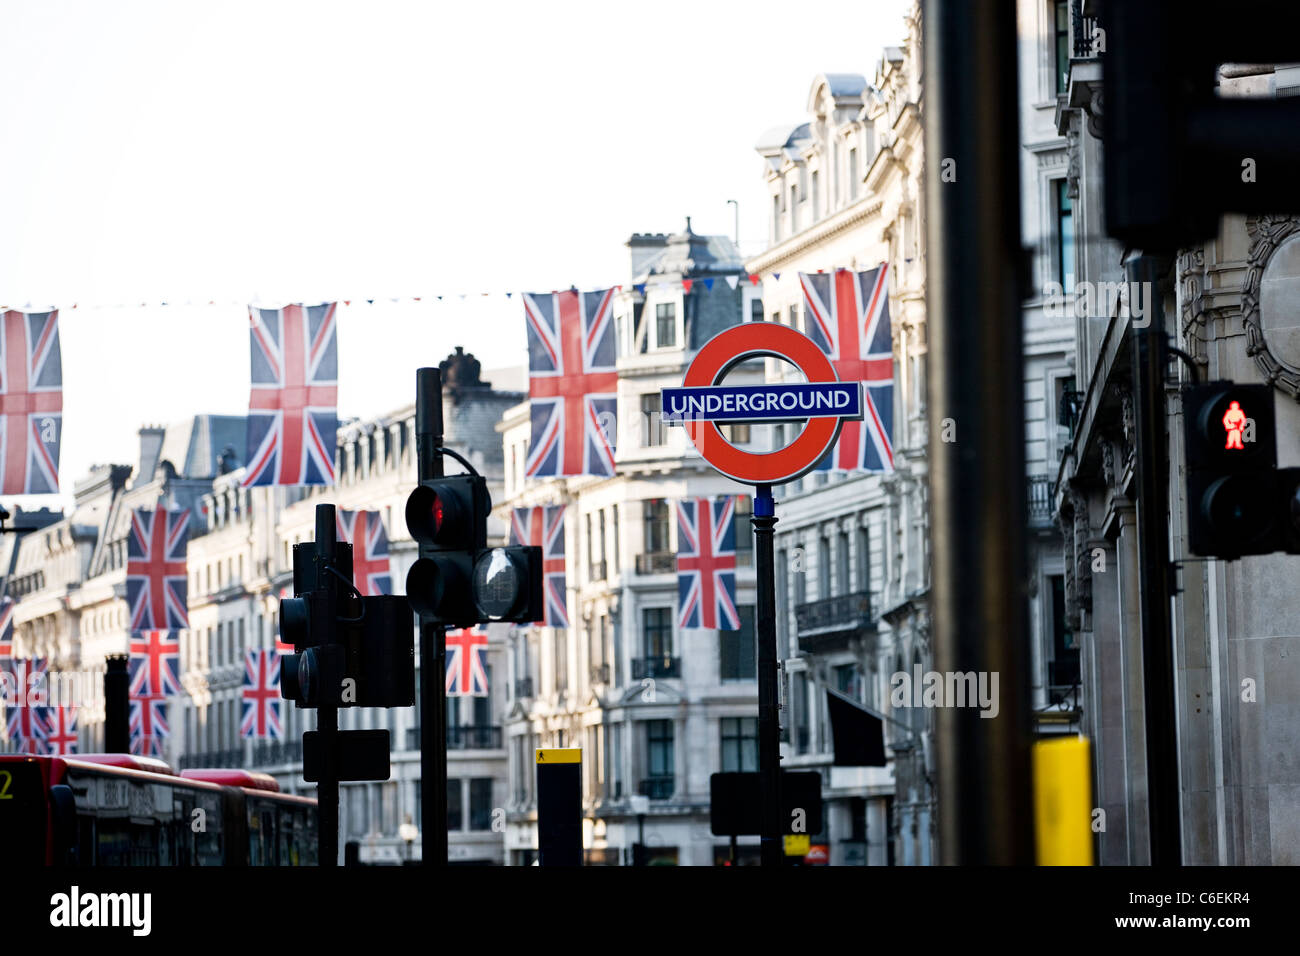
(353, 652)
(457, 580)
(1178, 154)
(447, 517)
(1288, 486)
(1234, 505)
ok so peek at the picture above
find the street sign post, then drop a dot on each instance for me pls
(559, 806)
(824, 403)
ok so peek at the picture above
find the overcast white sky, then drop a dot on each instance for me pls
(283, 151)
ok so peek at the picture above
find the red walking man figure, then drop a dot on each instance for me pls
(1234, 420)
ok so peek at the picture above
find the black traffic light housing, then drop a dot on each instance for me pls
(1177, 154)
(458, 581)
(368, 640)
(1234, 505)
(447, 517)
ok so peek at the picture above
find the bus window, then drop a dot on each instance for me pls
(23, 813)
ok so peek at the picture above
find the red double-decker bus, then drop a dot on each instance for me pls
(121, 810)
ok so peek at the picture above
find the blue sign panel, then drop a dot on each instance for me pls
(762, 403)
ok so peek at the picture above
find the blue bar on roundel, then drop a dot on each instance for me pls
(775, 402)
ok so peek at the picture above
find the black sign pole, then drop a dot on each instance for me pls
(769, 724)
(327, 715)
(976, 378)
(1148, 364)
(433, 644)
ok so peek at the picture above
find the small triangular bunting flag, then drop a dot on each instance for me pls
(733, 281)
(686, 285)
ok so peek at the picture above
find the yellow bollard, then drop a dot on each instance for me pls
(1063, 802)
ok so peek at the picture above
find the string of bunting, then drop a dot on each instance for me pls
(686, 285)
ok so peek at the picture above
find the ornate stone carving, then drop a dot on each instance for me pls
(1267, 233)
(1093, 111)
(1072, 159)
(1191, 285)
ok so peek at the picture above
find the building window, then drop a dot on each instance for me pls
(799, 712)
(842, 563)
(794, 209)
(657, 630)
(776, 218)
(744, 531)
(864, 559)
(816, 196)
(659, 756)
(794, 317)
(561, 659)
(614, 550)
(1062, 45)
(652, 426)
(756, 310)
(739, 744)
(736, 434)
(480, 803)
(666, 325)
(455, 809)
(853, 173)
(1064, 236)
(823, 567)
(1065, 649)
(737, 649)
(656, 526)
(847, 680)
(600, 538)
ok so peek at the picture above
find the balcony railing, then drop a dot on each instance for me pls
(643, 667)
(596, 571)
(656, 562)
(1038, 498)
(271, 752)
(600, 673)
(462, 737)
(1085, 42)
(524, 687)
(832, 621)
(656, 788)
(213, 759)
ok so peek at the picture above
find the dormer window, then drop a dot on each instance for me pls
(666, 325)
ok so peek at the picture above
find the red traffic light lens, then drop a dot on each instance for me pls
(437, 514)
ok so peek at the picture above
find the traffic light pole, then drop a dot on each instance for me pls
(977, 471)
(327, 716)
(1148, 358)
(769, 721)
(433, 644)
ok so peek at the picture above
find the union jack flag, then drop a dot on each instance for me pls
(148, 726)
(293, 407)
(6, 631)
(28, 727)
(572, 383)
(63, 731)
(155, 664)
(370, 568)
(706, 563)
(467, 663)
(31, 403)
(261, 709)
(157, 588)
(543, 526)
(848, 318)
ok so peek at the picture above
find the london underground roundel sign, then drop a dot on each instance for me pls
(701, 402)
